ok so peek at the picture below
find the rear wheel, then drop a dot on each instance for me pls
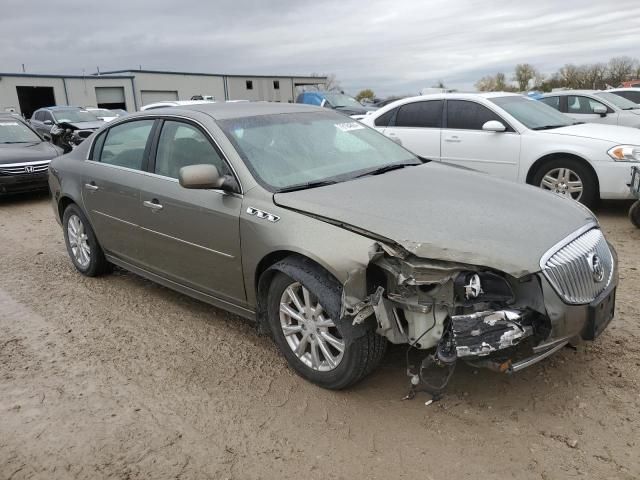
(81, 242)
(570, 178)
(303, 312)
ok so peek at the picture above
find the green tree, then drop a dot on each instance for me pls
(366, 93)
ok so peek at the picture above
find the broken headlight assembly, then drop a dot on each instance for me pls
(474, 287)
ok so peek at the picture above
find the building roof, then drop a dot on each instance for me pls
(54, 75)
(133, 71)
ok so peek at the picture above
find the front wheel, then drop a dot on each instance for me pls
(569, 178)
(302, 314)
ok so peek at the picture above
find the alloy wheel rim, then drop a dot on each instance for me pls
(78, 241)
(563, 181)
(310, 333)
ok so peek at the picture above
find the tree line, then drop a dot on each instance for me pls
(598, 75)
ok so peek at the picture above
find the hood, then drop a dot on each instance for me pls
(445, 213)
(86, 125)
(27, 152)
(612, 133)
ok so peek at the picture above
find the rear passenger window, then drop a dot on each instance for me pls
(552, 102)
(125, 144)
(464, 115)
(181, 145)
(384, 119)
(420, 114)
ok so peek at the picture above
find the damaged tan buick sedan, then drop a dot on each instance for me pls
(336, 240)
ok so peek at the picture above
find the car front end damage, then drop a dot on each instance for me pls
(460, 312)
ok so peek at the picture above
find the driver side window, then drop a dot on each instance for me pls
(582, 105)
(181, 145)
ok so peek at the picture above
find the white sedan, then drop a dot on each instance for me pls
(515, 138)
(595, 106)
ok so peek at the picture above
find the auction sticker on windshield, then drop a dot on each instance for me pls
(347, 127)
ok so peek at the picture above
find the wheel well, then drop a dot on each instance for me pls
(262, 280)
(558, 156)
(63, 203)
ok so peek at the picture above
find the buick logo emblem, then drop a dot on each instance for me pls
(597, 269)
(29, 169)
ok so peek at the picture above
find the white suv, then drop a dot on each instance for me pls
(595, 106)
(516, 138)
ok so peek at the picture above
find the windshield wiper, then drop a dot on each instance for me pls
(387, 168)
(17, 142)
(548, 127)
(306, 185)
(577, 123)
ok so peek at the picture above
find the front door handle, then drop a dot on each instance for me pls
(153, 205)
(453, 139)
(91, 186)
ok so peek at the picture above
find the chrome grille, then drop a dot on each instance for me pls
(23, 168)
(571, 270)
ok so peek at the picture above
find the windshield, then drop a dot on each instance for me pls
(338, 100)
(297, 148)
(14, 131)
(532, 113)
(74, 116)
(618, 101)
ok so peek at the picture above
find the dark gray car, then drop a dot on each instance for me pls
(24, 156)
(335, 239)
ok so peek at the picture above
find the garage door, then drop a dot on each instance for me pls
(110, 94)
(153, 96)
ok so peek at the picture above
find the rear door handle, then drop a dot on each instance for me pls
(91, 186)
(153, 205)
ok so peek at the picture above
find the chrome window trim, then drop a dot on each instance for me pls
(161, 177)
(161, 117)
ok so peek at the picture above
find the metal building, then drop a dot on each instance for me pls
(131, 89)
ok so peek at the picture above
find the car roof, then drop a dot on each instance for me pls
(226, 110)
(572, 92)
(61, 107)
(623, 89)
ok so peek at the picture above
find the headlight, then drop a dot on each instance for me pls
(474, 287)
(625, 153)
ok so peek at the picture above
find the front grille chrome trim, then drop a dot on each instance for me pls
(568, 266)
(24, 168)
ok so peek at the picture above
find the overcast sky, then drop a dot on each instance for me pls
(392, 47)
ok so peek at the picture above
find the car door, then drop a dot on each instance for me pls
(36, 122)
(111, 186)
(581, 108)
(465, 143)
(416, 126)
(191, 237)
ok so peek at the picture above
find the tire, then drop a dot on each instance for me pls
(550, 176)
(634, 214)
(361, 353)
(82, 246)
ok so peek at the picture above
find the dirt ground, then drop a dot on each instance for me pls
(116, 377)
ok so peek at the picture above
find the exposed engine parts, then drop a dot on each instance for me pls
(452, 311)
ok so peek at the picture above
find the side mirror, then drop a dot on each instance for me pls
(600, 110)
(206, 177)
(48, 122)
(494, 126)
(47, 137)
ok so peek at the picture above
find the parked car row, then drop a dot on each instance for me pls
(338, 240)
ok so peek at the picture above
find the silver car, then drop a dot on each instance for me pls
(595, 106)
(335, 239)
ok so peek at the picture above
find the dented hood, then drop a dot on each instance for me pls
(441, 212)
